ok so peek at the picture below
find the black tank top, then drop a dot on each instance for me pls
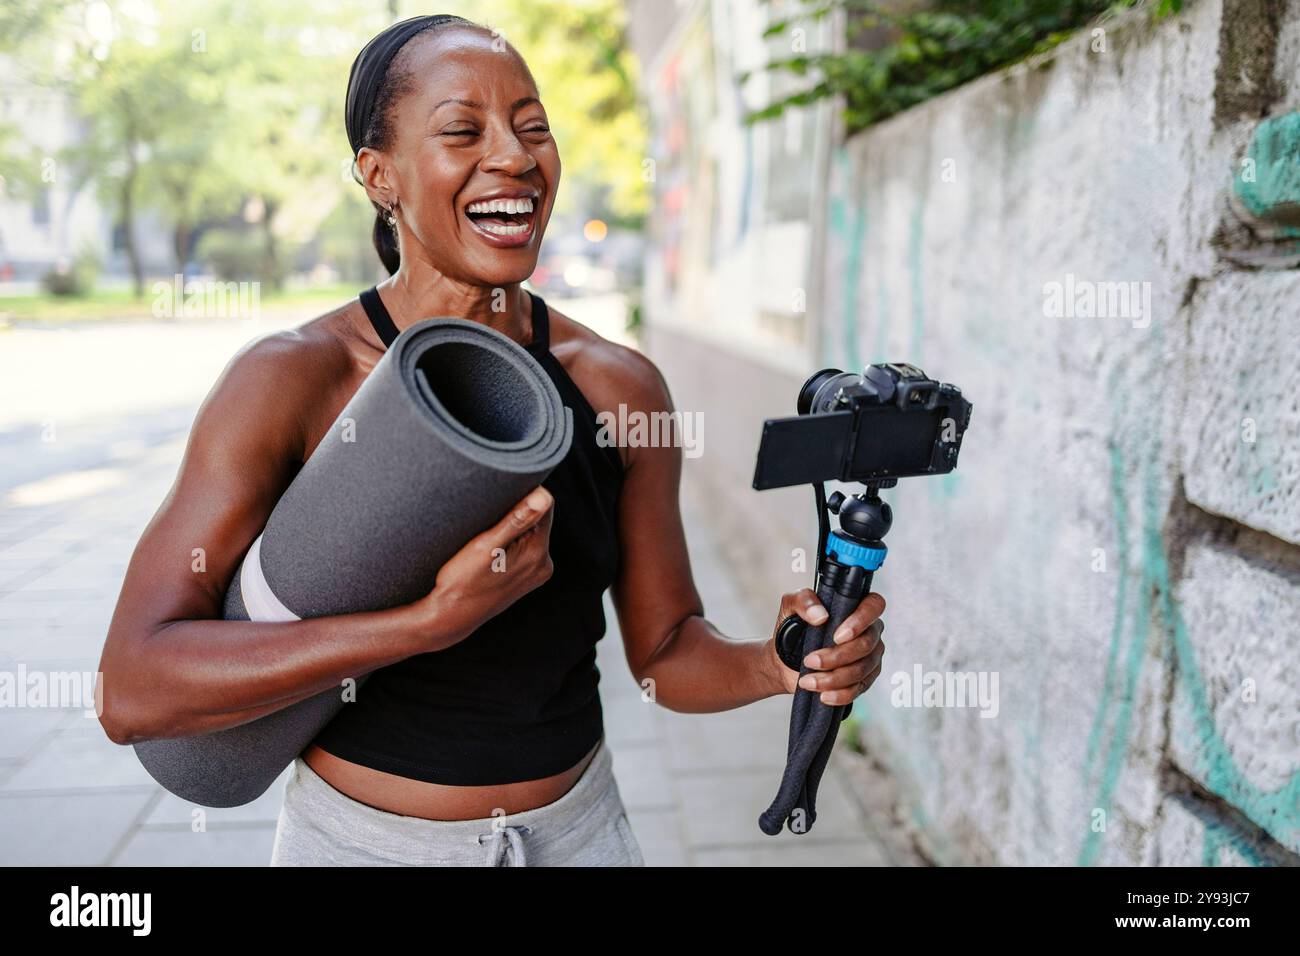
(517, 699)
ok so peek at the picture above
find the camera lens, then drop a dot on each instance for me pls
(808, 394)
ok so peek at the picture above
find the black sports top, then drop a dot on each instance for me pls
(517, 699)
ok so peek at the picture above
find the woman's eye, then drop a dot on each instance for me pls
(474, 132)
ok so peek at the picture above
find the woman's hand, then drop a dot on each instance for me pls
(491, 571)
(849, 667)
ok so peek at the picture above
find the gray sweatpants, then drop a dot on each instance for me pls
(588, 826)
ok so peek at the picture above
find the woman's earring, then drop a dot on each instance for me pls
(392, 214)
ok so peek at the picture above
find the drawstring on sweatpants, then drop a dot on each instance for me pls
(498, 845)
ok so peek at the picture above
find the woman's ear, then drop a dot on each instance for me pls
(372, 168)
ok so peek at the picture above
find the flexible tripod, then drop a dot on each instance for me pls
(847, 559)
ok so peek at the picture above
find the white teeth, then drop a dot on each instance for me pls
(508, 206)
(501, 230)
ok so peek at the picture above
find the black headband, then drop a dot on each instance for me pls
(371, 66)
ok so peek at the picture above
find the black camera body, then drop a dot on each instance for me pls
(874, 427)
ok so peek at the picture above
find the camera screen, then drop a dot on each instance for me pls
(893, 445)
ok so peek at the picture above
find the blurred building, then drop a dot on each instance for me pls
(730, 281)
(735, 204)
(54, 214)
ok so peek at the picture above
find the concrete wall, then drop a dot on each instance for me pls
(1121, 544)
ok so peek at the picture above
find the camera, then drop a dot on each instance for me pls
(891, 421)
(888, 422)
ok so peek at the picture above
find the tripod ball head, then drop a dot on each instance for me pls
(866, 519)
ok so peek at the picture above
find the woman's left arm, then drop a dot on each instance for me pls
(692, 666)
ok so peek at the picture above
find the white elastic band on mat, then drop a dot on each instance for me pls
(260, 601)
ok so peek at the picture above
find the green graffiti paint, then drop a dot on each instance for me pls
(853, 236)
(1261, 478)
(1121, 693)
(1121, 604)
(946, 487)
(1211, 840)
(1268, 184)
(907, 764)
(882, 322)
(950, 485)
(841, 154)
(1278, 811)
(835, 222)
(915, 248)
(1218, 837)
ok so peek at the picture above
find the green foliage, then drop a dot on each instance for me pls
(61, 280)
(22, 21)
(207, 110)
(76, 278)
(235, 255)
(20, 165)
(926, 51)
(122, 305)
(343, 240)
(635, 310)
(195, 109)
(851, 730)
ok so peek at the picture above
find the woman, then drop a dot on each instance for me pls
(481, 738)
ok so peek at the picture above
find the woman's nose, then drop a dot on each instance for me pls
(505, 152)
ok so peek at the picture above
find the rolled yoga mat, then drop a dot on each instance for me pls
(454, 425)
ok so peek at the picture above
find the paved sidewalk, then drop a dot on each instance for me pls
(694, 784)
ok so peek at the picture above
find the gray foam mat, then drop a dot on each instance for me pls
(455, 424)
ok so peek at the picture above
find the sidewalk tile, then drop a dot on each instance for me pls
(643, 777)
(658, 834)
(67, 829)
(22, 728)
(722, 809)
(79, 758)
(228, 846)
(172, 811)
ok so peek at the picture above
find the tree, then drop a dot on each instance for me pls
(210, 108)
(153, 114)
(286, 144)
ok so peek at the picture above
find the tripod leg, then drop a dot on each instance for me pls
(811, 720)
(847, 562)
(802, 705)
(805, 809)
(808, 798)
(802, 713)
(814, 637)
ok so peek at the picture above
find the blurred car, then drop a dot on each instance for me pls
(573, 265)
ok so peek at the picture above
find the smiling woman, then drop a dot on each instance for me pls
(391, 115)
(479, 733)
